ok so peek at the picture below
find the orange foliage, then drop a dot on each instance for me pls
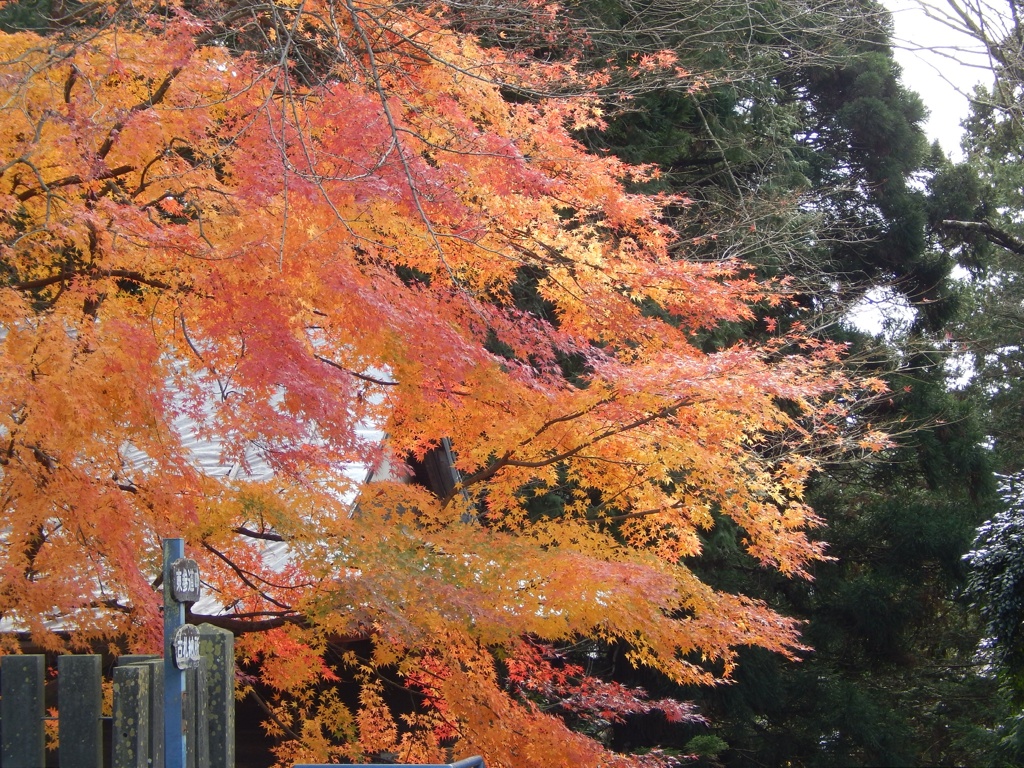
(280, 244)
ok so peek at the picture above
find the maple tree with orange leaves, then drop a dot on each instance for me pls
(283, 222)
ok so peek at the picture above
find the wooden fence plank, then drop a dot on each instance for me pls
(156, 712)
(80, 698)
(196, 718)
(217, 646)
(131, 717)
(155, 665)
(22, 741)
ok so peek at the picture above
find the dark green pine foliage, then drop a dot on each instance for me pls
(893, 678)
(864, 145)
(979, 211)
(34, 15)
(807, 160)
(798, 157)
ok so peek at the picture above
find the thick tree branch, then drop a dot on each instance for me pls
(62, 277)
(153, 100)
(644, 513)
(360, 376)
(506, 459)
(241, 529)
(244, 576)
(241, 624)
(993, 234)
(71, 180)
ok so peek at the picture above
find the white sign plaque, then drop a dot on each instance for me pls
(186, 647)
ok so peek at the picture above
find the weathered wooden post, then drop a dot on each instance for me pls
(22, 743)
(218, 650)
(197, 718)
(181, 648)
(155, 667)
(80, 697)
(131, 717)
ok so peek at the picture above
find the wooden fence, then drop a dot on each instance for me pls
(137, 721)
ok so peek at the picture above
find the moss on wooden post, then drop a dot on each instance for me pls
(131, 717)
(80, 705)
(217, 647)
(22, 744)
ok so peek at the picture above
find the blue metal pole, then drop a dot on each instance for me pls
(174, 678)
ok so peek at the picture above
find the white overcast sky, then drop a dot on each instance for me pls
(937, 66)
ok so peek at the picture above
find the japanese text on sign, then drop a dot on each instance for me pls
(186, 647)
(185, 580)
